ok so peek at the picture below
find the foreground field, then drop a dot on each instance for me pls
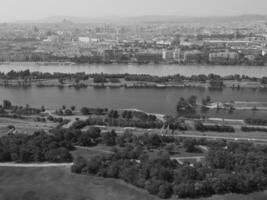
(26, 126)
(57, 183)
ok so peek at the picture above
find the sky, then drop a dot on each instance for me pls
(13, 10)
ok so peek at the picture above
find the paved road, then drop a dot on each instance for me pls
(188, 157)
(35, 164)
(222, 137)
(211, 137)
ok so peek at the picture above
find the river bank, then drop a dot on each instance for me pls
(129, 84)
(151, 69)
(67, 63)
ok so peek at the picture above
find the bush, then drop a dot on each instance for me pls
(218, 128)
(58, 155)
(68, 112)
(11, 127)
(260, 122)
(253, 129)
(78, 165)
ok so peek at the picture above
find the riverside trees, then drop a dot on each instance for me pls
(186, 106)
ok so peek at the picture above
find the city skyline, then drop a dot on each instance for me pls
(13, 10)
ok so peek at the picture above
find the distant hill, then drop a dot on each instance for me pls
(148, 18)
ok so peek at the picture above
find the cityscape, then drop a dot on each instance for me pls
(142, 40)
(126, 100)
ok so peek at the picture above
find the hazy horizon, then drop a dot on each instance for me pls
(13, 10)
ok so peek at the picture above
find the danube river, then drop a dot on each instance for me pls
(159, 70)
(147, 99)
(151, 100)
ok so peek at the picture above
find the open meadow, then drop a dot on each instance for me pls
(58, 183)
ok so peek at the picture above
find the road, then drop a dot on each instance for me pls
(188, 157)
(192, 135)
(222, 137)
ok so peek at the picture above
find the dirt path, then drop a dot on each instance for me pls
(35, 164)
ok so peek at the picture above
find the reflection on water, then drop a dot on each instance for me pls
(159, 70)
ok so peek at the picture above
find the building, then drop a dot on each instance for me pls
(84, 39)
(222, 44)
(259, 39)
(167, 55)
(164, 42)
(177, 55)
(194, 56)
(250, 51)
(171, 54)
(149, 56)
(223, 57)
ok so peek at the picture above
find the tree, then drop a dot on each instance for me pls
(165, 190)
(68, 112)
(94, 132)
(192, 101)
(94, 165)
(58, 155)
(109, 138)
(189, 145)
(78, 165)
(185, 190)
(7, 104)
(154, 140)
(113, 170)
(85, 111)
(42, 109)
(5, 156)
(113, 114)
(206, 101)
(120, 141)
(72, 108)
(61, 81)
(77, 81)
(152, 186)
(186, 106)
(216, 83)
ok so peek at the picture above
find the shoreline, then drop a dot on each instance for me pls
(68, 63)
(130, 85)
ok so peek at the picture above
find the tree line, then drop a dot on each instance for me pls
(103, 77)
(38, 147)
(229, 167)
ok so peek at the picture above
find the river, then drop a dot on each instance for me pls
(147, 99)
(159, 70)
(150, 100)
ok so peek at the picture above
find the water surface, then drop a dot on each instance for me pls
(159, 70)
(151, 100)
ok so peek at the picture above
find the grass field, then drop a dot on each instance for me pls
(57, 183)
(90, 152)
(26, 126)
(253, 196)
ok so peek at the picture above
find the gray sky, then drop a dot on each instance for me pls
(11, 10)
